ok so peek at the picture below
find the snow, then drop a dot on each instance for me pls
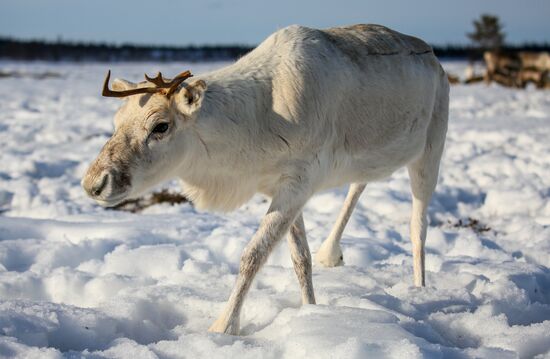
(77, 280)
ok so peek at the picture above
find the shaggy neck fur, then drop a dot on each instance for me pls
(213, 177)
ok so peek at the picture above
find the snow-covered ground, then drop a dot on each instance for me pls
(77, 280)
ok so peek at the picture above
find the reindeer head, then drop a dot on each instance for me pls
(149, 139)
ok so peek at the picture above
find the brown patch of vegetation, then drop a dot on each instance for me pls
(139, 204)
(473, 79)
(472, 223)
(453, 79)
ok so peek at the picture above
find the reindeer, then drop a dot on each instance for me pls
(502, 68)
(517, 69)
(535, 67)
(539, 61)
(305, 111)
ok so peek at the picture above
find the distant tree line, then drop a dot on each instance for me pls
(475, 53)
(14, 49)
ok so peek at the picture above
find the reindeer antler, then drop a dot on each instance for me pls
(166, 88)
(159, 81)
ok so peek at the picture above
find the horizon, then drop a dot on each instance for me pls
(544, 43)
(247, 23)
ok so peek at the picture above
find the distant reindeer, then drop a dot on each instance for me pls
(517, 69)
(307, 110)
(535, 67)
(502, 68)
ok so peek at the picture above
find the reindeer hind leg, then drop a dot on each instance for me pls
(423, 173)
(301, 258)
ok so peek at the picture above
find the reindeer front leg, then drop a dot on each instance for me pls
(284, 209)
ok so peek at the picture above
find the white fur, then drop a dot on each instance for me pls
(305, 111)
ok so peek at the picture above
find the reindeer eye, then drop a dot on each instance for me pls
(161, 128)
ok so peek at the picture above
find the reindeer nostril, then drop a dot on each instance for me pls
(100, 185)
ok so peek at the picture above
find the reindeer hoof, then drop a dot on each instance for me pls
(329, 255)
(220, 326)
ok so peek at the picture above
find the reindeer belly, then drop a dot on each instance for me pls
(371, 166)
(366, 153)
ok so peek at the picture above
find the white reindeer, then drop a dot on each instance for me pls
(305, 111)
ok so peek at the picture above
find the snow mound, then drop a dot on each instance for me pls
(80, 281)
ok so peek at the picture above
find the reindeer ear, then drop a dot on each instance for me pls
(190, 97)
(122, 85)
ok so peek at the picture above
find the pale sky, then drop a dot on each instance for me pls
(178, 22)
